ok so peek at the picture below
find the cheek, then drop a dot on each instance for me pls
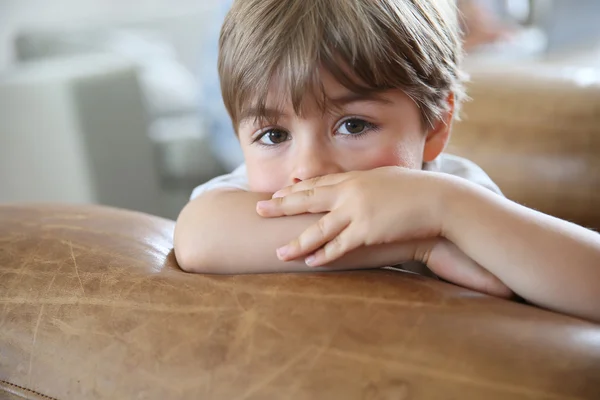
(265, 176)
(407, 154)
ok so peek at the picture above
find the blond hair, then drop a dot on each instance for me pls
(368, 46)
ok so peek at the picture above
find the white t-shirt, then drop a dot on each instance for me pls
(445, 163)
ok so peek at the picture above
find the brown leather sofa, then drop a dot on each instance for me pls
(93, 305)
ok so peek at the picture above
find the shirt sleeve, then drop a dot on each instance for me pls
(235, 180)
(463, 168)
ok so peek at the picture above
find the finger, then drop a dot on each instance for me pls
(340, 245)
(325, 180)
(315, 200)
(314, 237)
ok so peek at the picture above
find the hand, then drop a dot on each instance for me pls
(364, 208)
(448, 262)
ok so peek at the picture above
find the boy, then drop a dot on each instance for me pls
(343, 109)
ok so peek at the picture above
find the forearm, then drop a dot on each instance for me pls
(221, 233)
(547, 261)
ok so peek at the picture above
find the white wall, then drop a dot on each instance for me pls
(183, 21)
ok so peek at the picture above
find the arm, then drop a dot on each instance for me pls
(548, 261)
(220, 232)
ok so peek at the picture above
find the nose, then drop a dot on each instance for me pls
(314, 161)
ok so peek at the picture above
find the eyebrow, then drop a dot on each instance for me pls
(273, 114)
(358, 98)
(270, 114)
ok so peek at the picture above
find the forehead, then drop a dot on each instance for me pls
(322, 92)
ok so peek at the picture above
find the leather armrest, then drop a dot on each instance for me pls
(93, 306)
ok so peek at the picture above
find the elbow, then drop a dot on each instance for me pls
(188, 260)
(195, 259)
(193, 254)
(187, 256)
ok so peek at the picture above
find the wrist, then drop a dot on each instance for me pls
(457, 200)
(441, 197)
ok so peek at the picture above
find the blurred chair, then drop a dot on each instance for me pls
(75, 130)
(161, 93)
(535, 129)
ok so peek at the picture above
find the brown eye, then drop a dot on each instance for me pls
(274, 136)
(353, 126)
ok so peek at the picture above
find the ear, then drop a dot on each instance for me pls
(438, 136)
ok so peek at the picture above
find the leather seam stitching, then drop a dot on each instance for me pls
(28, 390)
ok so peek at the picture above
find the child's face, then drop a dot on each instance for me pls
(361, 134)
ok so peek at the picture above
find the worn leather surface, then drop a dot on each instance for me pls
(93, 306)
(536, 131)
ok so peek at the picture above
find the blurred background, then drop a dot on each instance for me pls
(118, 103)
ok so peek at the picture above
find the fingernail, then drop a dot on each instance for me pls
(262, 205)
(277, 195)
(282, 251)
(310, 260)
